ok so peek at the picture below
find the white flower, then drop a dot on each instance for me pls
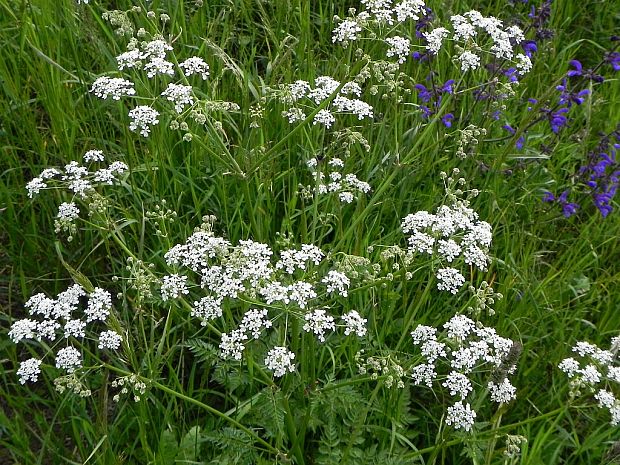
(318, 322)
(40, 304)
(143, 117)
(301, 292)
(423, 374)
(180, 95)
(68, 211)
(93, 155)
(449, 279)
(29, 370)
(524, 64)
(195, 65)
(570, 366)
(399, 47)
(99, 305)
(67, 302)
(461, 416)
(34, 186)
(468, 60)
(325, 118)
(421, 242)
(279, 360)
(346, 32)
(254, 321)
(173, 286)
(435, 39)
(449, 249)
(298, 90)
(325, 86)
(232, 344)
(423, 333)
(294, 114)
(336, 282)
(503, 392)
(109, 340)
(409, 9)
(354, 323)
(463, 29)
(590, 374)
(46, 329)
(605, 399)
(116, 88)
(584, 348)
(68, 358)
(459, 327)
(129, 59)
(208, 308)
(75, 328)
(346, 197)
(432, 350)
(158, 66)
(355, 106)
(458, 383)
(155, 49)
(23, 329)
(291, 259)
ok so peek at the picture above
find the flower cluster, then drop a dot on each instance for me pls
(376, 15)
(598, 371)
(599, 178)
(454, 233)
(81, 184)
(333, 181)
(55, 320)
(301, 97)
(228, 273)
(464, 349)
(151, 57)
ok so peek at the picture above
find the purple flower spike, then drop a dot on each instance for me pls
(424, 93)
(548, 197)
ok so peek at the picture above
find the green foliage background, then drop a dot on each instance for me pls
(559, 277)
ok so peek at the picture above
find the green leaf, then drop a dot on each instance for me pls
(188, 449)
(168, 448)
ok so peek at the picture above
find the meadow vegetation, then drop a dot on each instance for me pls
(281, 231)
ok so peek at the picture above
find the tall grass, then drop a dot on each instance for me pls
(558, 275)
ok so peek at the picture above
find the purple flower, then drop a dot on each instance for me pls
(568, 97)
(613, 58)
(447, 119)
(511, 74)
(420, 56)
(529, 47)
(548, 197)
(447, 86)
(568, 208)
(520, 141)
(578, 68)
(425, 94)
(558, 119)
